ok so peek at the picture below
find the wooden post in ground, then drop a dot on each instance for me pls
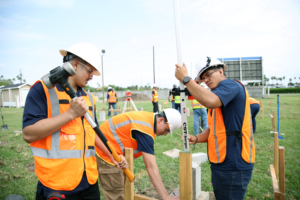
(271, 105)
(281, 173)
(185, 176)
(111, 113)
(274, 180)
(273, 120)
(129, 186)
(276, 154)
(262, 109)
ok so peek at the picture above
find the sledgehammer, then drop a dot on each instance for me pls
(59, 75)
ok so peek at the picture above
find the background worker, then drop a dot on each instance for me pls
(231, 149)
(136, 130)
(177, 101)
(54, 126)
(112, 100)
(155, 98)
(255, 107)
(199, 111)
(172, 97)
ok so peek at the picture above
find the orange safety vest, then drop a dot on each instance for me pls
(253, 101)
(61, 158)
(155, 95)
(217, 139)
(112, 97)
(118, 131)
(196, 105)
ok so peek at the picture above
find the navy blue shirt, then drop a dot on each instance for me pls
(145, 143)
(233, 97)
(36, 109)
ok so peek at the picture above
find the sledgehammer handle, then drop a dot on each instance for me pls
(108, 145)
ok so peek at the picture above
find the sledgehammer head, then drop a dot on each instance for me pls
(58, 75)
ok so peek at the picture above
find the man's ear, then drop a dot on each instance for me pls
(75, 65)
(161, 119)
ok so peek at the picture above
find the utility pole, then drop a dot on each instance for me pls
(153, 67)
(103, 52)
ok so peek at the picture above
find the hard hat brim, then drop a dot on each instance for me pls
(64, 53)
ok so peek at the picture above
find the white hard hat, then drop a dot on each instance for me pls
(109, 88)
(87, 52)
(155, 85)
(173, 119)
(205, 63)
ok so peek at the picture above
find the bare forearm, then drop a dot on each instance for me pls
(204, 96)
(203, 137)
(45, 127)
(100, 145)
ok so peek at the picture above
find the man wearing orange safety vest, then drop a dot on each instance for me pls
(112, 99)
(136, 130)
(172, 96)
(61, 140)
(231, 149)
(199, 111)
(255, 107)
(155, 98)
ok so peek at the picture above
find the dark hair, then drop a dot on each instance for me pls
(214, 67)
(162, 114)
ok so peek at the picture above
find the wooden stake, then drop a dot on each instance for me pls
(281, 173)
(276, 154)
(262, 109)
(185, 176)
(271, 105)
(111, 113)
(141, 197)
(129, 186)
(274, 183)
(273, 121)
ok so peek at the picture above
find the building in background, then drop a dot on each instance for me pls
(14, 95)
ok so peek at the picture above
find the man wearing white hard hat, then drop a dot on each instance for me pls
(136, 130)
(155, 98)
(61, 140)
(231, 149)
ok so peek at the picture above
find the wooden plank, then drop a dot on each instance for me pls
(276, 154)
(273, 121)
(274, 183)
(141, 197)
(262, 109)
(129, 186)
(281, 173)
(185, 176)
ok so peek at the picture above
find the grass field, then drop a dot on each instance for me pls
(16, 162)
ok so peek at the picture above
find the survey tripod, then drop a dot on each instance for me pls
(128, 100)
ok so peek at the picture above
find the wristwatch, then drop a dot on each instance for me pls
(186, 80)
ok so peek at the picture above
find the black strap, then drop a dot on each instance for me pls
(64, 101)
(239, 135)
(90, 108)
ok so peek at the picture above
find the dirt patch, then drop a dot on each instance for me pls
(31, 167)
(2, 143)
(151, 192)
(137, 97)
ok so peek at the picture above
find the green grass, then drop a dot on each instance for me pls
(16, 158)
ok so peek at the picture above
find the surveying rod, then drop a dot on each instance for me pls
(182, 94)
(59, 75)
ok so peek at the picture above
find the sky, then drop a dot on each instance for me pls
(33, 31)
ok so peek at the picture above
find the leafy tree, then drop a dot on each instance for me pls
(5, 82)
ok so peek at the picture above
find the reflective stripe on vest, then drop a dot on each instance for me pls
(177, 99)
(118, 130)
(72, 145)
(217, 140)
(155, 95)
(55, 153)
(196, 105)
(112, 97)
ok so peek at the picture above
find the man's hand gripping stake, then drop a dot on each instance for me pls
(59, 75)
